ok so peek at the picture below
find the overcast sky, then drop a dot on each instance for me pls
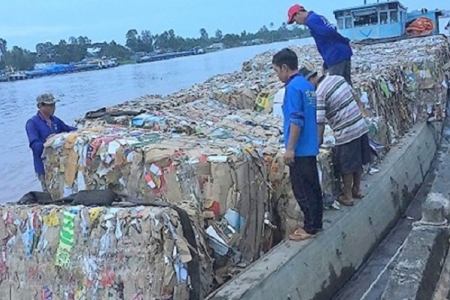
(28, 22)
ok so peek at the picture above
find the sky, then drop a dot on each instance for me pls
(27, 22)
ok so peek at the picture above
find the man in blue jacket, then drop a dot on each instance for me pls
(301, 142)
(40, 127)
(334, 48)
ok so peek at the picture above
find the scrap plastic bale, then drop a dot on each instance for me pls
(103, 253)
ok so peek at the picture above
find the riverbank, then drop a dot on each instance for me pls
(52, 69)
(102, 64)
(206, 147)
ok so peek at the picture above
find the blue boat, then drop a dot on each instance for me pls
(385, 21)
(35, 73)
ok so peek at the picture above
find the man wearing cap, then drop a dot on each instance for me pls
(336, 102)
(333, 47)
(300, 137)
(40, 127)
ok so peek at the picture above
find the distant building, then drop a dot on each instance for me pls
(257, 42)
(42, 66)
(216, 46)
(93, 50)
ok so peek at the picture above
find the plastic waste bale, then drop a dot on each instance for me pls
(103, 253)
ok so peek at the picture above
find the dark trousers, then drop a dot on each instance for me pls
(307, 191)
(344, 69)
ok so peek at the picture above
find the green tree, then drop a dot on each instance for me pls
(204, 34)
(45, 52)
(147, 40)
(73, 40)
(219, 35)
(113, 49)
(19, 59)
(132, 39)
(3, 45)
(231, 40)
(83, 40)
(66, 53)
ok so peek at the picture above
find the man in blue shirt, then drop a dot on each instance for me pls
(40, 127)
(301, 142)
(333, 47)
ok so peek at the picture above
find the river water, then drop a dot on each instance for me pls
(86, 91)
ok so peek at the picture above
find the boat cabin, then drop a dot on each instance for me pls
(380, 20)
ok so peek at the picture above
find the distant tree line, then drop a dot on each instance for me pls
(76, 49)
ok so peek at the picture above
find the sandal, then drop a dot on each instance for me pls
(301, 237)
(300, 231)
(345, 202)
(357, 195)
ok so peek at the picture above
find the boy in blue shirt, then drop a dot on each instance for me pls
(333, 47)
(301, 142)
(40, 127)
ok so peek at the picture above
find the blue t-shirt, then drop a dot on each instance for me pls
(299, 107)
(38, 131)
(332, 46)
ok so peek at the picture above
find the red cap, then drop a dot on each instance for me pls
(292, 11)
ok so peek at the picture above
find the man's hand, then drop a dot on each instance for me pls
(364, 113)
(289, 157)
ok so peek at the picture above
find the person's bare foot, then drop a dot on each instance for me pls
(357, 194)
(345, 202)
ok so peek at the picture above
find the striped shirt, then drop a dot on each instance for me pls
(336, 103)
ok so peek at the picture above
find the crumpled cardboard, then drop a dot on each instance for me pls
(401, 82)
(204, 151)
(100, 253)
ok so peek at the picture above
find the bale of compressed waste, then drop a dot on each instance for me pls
(217, 177)
(75, 252)
(219, 157)
(401, 82)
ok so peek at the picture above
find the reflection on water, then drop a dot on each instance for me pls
(82, 92)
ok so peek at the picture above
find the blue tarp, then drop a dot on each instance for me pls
(57, 69)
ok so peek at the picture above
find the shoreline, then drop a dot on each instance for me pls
(21, 76)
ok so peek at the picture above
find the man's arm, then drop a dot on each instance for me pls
(358, 101)
(294, 100)
(324, 28)
(33, 139)
(65, 127)
(321, 113)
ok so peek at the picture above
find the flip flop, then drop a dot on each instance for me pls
(301, 237)
(357, 195)
(345, 202)
(300, 231)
